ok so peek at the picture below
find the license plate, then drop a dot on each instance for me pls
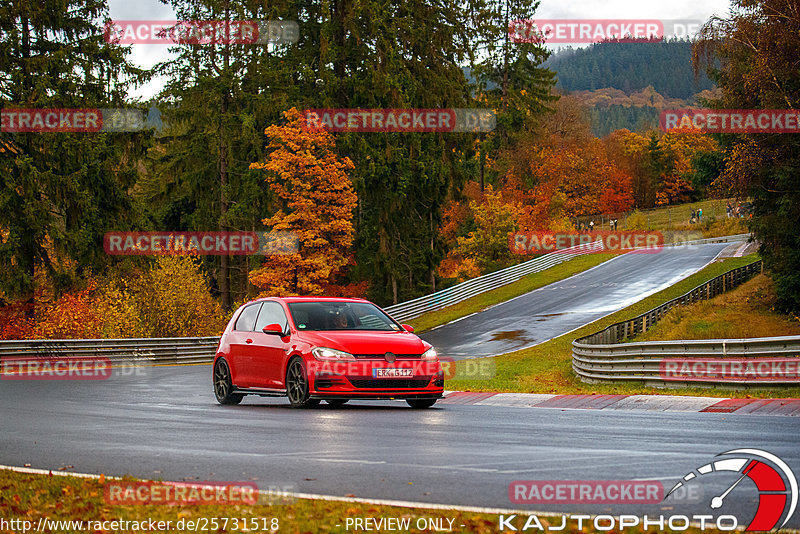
(391, 373)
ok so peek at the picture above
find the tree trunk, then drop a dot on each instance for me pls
(224, 271)
(433, 268)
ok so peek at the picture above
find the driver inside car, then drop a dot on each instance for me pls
(339, 321)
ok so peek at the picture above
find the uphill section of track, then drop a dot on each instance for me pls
(561, 307)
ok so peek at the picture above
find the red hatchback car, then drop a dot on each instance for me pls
(332, 349)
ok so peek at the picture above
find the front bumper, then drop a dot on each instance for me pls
(425, 380)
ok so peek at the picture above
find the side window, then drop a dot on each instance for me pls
(271, 313)
(247, 318)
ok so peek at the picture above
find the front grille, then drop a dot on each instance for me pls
(390, 383)
(382, 356)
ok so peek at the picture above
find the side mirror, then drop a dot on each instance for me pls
(274, 329)
(407, 327)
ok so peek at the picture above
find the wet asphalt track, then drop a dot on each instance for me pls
(566, 305)
(166, 424)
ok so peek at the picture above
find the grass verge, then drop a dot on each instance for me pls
(520, 287)
(747, 311)
(29, 497)
(714, 223)
(547, 368)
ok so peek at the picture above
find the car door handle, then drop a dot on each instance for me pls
(248, 340)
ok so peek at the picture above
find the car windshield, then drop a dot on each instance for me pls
(340, 316)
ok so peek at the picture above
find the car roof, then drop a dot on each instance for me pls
(308, 299)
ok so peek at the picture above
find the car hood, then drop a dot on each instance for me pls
(360, 342)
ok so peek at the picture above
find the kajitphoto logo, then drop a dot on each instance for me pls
(123, 493)
(773, 479)
(56, 368)
(730, 120)
(202, 32)
(401, 120)
(201, 243)
(737, 470)
(577, 31)
(692, 369)
(542, 242)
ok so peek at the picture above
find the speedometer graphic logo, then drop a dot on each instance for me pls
(775, 481)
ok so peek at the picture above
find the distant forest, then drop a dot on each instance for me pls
(665, 65)
(606, 120)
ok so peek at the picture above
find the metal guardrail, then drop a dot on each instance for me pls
(704, 241)
(602, 357)
(137, 351)
(130, 351)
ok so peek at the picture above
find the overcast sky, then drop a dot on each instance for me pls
(145, 55)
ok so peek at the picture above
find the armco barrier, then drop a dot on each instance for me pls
(602, 357)
(202, 349)
(118, 351)
(470, 288)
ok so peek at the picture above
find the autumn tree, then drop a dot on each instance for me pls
(662, 168)
(510, 78)
(316, 203)
(752, 55)
(486, 247)
(220, 95)
(564, 171)
(171, 299)
(60, 190)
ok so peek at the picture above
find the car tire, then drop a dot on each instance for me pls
(421, 403)
(337, 402)
(223, 384)
(297, 385)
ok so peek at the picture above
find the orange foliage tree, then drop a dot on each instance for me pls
(73, 315)
(317, 201)
(660, 166)
(486, 246)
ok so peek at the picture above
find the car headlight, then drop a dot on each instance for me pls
(324, 353)
(430, 354)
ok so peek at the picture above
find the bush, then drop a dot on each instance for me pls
(172, 300)
(637, 221)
